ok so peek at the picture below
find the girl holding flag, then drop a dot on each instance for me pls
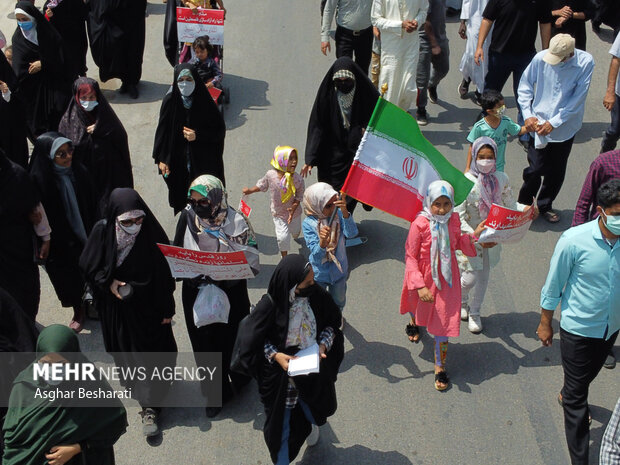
(432, 289)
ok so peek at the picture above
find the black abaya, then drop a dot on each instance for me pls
(217, 337)
(116, 32)
(45, 94)
(13, 132)
(171, 38)
(269, 322)
(329, 146)
(105, 152)
(19, 273)
(574, 27)
(204, 155)
(69, 19)
(62, 262)
(133, 324)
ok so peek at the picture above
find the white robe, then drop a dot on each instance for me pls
(472, 14)
(399, 49)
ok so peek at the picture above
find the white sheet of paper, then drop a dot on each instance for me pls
(307, 361)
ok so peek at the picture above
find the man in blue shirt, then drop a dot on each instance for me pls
(552, 96)
(584, 277)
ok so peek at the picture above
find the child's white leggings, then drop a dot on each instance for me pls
(478, 280)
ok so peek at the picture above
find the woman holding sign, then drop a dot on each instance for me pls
(490, 186)
(295, 314)
(133, 290)
(211, 225)
(189, 140)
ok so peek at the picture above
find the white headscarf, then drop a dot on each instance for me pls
(30, 35)
(440, 235)
(315, 198)
(487, 182)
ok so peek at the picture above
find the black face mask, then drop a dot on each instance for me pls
(306, 291)
(203, 212)
(345, 86)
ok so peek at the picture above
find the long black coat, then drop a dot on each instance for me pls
(13, 131)
(69, 19)
(204, 155)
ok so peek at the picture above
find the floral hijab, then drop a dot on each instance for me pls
(279, 161)
(212, 188)
(440, 235)
(487, 182)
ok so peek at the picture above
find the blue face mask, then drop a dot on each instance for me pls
(612, 223)
(26, 25)
(89, 105)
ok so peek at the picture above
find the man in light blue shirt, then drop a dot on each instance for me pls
(552, 96)
(584, 279)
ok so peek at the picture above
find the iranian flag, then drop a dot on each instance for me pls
(395, 164)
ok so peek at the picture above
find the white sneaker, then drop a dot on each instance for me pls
(464, 312)
(474, 324)
(313, 438)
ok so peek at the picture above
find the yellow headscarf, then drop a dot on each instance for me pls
(279, 161)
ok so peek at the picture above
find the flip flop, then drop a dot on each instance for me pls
(551, 216)
(442, 378)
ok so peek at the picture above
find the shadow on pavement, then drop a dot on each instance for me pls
(385, 241)
(377, 357)
(245, 94)
(326, 452)
(542, 225)
(149, 92)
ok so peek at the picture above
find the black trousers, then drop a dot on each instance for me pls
(549, 162)
(348, 43)
(611, 136)
(582, 359)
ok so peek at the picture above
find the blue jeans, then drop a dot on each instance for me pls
(337, 290)
(286, 431)
(500, 67)
(611, 136)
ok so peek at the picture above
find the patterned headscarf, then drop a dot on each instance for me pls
(315, 198)
(488, 184)
(440, 234)
(279, 161)
(212, 188)
(124, 240)
(345, 101)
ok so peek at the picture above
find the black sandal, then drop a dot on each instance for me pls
(442, 378)
(412, 331)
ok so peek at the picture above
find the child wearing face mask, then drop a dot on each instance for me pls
(490, 186)
(432, 289)
(327, 224)
(495, 125)
(286, 188)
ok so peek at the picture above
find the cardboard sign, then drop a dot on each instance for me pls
(202, 22)
(505, 225)
(219, 266)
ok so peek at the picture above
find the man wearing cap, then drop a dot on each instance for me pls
(552, 96)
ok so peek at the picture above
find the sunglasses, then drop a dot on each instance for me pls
(62, 154)
(204, 202)
(132, 221)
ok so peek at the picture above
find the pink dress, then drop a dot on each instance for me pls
(442, 317)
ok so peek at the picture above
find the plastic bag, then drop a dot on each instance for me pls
(211, 306)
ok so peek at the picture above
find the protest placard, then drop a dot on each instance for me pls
(219, 266)
(200, 22)
(505, 225)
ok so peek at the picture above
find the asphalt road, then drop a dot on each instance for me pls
(502, 405)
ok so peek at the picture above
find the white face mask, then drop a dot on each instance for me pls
(89, 105)
(133, 229)
(186, 87)
(485, 166)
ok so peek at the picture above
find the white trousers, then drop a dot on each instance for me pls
(478, 280)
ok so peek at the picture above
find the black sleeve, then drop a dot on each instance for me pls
(544, 11)
(492, 10)
(589, 9)
(180, 230)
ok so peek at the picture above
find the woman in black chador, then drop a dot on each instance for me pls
(295, 314)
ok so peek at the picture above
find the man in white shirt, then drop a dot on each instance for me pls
(398, 22)
(353, 30)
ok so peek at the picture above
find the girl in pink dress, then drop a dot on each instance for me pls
(432, 287)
